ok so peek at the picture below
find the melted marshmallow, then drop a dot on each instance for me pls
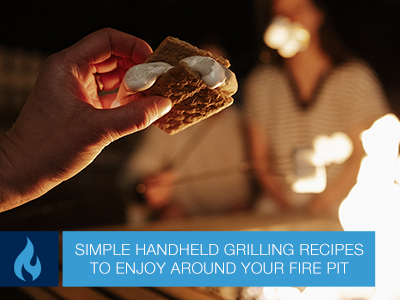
(141, 77)
(211, 72)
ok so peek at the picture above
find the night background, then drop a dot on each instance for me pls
(371, 27)
(92, 199)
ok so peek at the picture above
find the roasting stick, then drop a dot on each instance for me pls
(183, 155)
(243, 167)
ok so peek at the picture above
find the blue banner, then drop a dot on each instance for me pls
(232, 258)
(29, 258)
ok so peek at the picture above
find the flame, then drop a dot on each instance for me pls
(374, 202)
(24, 261)
(372, 205)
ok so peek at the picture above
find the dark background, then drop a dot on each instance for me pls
(369, 27)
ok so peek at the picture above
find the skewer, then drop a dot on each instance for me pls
(244, 167)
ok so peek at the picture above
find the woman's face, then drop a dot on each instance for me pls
(302, 11)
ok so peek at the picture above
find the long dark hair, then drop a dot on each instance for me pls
(331, 42)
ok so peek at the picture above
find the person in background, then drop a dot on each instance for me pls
(292, 100)
(64, 123)
(199, 171)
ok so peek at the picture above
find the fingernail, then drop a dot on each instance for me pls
(163, 106)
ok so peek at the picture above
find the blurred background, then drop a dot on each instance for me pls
(32, 30)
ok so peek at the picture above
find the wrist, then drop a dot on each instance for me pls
(29, 168)
(17, 186)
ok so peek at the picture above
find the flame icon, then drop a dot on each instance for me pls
(24, 261)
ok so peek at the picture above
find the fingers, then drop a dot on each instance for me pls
(106, 101)
(111, 80)
(107, 66)
(110, 53)
(136, 115)
(153, 109)
(100, 45)
(111, 72)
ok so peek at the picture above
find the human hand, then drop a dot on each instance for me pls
(159, 188)
(65, 124)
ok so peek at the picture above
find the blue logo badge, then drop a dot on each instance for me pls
(29, 258)
(24, 261)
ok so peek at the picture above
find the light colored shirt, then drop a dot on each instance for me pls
(347, 96)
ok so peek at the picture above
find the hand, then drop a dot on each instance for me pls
(65, 124)
(159, 189)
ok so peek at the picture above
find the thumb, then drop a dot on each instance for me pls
(137, 114)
